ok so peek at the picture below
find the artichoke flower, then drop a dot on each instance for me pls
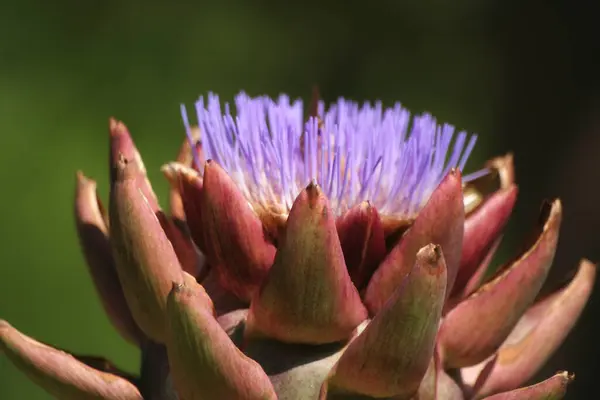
(339, 255)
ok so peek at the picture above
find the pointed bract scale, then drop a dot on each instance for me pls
(476, 328)
(500, 175)
(482, 229)
(363, 242)
(308, 296)
(537, 335)
(176, 226)
(185, 157)
(554, 388)
(182, 243)
(390, 357)
(505, 167)
(205, 364)
(59, 373)
(191, 187)
(146, 261)
(93, 239)
(234, 237)
(121, 143)
(175, 197)
(441, 221)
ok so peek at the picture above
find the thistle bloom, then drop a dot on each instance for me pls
(336, 256)
(353, 153)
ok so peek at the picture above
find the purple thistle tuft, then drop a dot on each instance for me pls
(355, 153)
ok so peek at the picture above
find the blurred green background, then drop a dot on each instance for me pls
(521, 76)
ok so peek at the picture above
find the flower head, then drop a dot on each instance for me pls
(339, 303)
(355, 153)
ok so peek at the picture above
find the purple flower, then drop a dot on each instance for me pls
(355, 153)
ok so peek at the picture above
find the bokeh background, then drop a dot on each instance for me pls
(521, 74)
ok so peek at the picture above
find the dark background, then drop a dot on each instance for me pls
(521, 74)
